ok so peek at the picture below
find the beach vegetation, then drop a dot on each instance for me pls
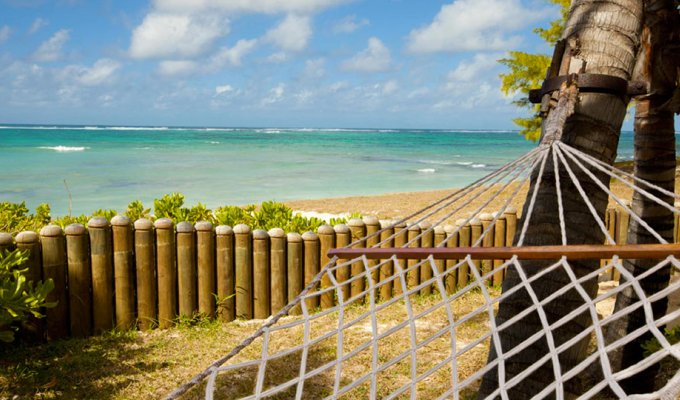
(16, 217)
(19, 298)
(526, 71)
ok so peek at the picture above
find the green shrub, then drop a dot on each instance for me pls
(652, 345)
(15, 217)
(19, 299)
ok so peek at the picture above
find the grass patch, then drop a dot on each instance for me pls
(126, 365)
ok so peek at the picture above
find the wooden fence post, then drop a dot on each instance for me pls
(54, 267)
(358, 230)
(426, 241)
(123, 271)
(622, 222)
(499, 241)
(475, 234)
(243, 251)
(33, 328)
(261, 275)
(145, 262)
(387, 268)
(343, 238)
(167, 272)
(226, 273)
(327, 242)
(488, 241)
(186, 269)
(6, 241)
(372, 226)
(413, 276)
(440, 237)
(464, 240)
(510, 216)
(399, 241)
(277, 251)
(311, 254)
(79, 280)
(295, 268)
(101, 253)
(451, 275)
(205, 260)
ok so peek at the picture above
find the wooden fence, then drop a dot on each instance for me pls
(144, 275)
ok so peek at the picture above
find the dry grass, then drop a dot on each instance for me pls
(126, 365)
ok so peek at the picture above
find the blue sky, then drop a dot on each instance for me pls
(292, 63)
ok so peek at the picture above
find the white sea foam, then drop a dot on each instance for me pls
(478, 165)
(427, 171)
(214, 142)
(464, 163)
(63, 149)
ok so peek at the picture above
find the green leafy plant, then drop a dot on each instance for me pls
(652, 346)
(19, 298)
(135, 210)
(15, 217)
(527, 71)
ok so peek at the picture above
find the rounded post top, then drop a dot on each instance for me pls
(475, 221)
(386, 223)
(27, 237)
(120, 220)
(260, 234)
(400, 225)
(371, 220)
(294, 237)
(461, 222)
(341, 228)
(98, 223)
(355, 223)
(510, 210)
(449, 229)
(75, 230)
(163, 223)
(203, 226)
(307, 236)
(424, 225)
(143, 224)
(5, 239)
(277, 233)
(241, 229)
(224, 230)
(52, 230)
(325, 230)
(485, 217)
(439, 230)
(185, 227)
(414, 227)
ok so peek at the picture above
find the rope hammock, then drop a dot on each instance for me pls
(354, 351)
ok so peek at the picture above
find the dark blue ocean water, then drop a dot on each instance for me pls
(107, 167)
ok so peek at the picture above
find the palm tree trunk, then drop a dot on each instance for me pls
(604, 35)
(655, 163)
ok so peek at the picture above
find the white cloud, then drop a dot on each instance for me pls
(349, 24)
(376, 57)
(37, 25)
(247, 6)
(51, 49)
(277, 57)
(223, 89)
(292, 34)
(232, 56)
(390, 87)
(171, 35)
(5, 31)
(275, 95)
(101, 72)
(471, 70)
(470, 25)
(177, 67)
(314, 69)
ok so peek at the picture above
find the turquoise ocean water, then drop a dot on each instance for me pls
(107, 167)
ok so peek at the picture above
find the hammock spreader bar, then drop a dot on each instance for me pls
(571, 252)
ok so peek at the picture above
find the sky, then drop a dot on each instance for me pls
(264, 63)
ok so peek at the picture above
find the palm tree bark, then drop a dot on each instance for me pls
(655, 163)
(603, 37)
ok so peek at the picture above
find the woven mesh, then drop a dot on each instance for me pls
(431, 340)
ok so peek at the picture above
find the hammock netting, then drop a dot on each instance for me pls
(430, 340)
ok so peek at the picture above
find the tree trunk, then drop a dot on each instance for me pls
(655, 163)
(604, 35)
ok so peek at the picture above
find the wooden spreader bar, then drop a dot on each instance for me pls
(572, 252)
